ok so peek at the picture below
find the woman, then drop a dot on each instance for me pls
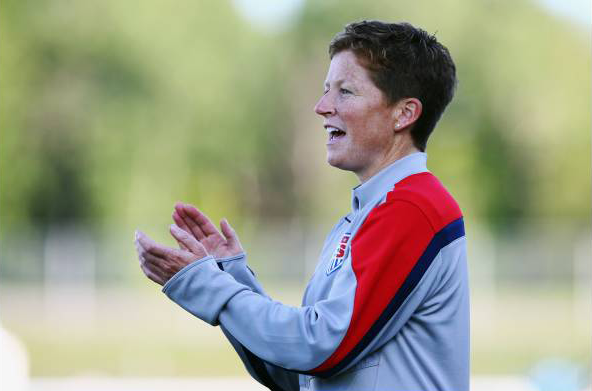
(387, 307)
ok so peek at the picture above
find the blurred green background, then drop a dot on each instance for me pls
(112, 111)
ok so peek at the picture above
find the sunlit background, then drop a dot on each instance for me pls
(111, 111)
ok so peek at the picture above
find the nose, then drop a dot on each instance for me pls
(325, 105)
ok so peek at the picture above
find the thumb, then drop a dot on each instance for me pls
(228, 233)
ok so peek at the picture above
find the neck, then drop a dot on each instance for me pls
(398, 151)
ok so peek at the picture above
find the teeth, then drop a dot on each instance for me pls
(331, 129)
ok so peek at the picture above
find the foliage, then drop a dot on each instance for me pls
(113, 111)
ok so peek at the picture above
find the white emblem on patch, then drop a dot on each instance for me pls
(339, 255)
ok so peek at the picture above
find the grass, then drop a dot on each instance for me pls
(118, 332)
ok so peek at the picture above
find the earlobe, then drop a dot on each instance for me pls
(409, 112)
(397, 117)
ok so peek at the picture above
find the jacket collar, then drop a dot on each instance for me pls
(384, 180)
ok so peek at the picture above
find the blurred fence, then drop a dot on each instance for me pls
(80, 304)
(543, 252)
(65, 259)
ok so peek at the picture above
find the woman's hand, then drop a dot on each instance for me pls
(159, 263)
(220, 245)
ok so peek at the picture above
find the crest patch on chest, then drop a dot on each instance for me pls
(339, 256)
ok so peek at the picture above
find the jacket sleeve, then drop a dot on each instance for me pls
(237, 267)
(269, 375)
(370, 300)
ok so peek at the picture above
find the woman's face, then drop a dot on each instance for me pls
(359, 122)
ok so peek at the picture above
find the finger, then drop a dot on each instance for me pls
(182, 246)
(180, 222)
(228, 232)
(153, 260)
(136, 243)
(151, 275)
(162, 268)
(150, 246)
(139, 249)
(142, 259)
(194, 228)
(190, 242)
(162, 257)
(140, 244)
(199, 218)
(166, 268)
(152, 263)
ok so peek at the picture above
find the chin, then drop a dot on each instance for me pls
(333, 161)
(338, 162)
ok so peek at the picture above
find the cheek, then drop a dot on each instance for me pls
(372, 135)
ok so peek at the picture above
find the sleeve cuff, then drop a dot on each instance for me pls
(183, 271)
(202, 289)
(233, 258)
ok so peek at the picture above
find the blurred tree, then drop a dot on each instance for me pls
(506, 147)
(111, 112)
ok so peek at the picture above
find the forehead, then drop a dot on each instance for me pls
(345, 67)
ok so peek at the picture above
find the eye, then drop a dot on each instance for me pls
(345, 91)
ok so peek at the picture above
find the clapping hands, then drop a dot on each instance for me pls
(197, 237)
(197, 224)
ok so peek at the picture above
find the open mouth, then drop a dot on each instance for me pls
(335, 133)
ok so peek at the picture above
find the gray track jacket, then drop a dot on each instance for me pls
(387, 307)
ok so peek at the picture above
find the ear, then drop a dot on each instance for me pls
(406, 113)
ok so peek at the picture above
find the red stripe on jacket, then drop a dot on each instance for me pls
(386, 248)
